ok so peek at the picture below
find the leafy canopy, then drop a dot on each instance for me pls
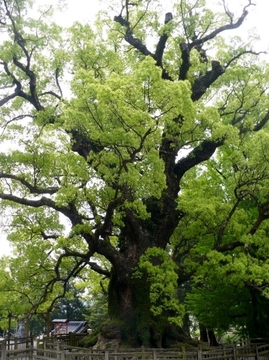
(128, 150)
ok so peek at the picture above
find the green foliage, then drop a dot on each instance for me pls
(159, 271)
(221, 295)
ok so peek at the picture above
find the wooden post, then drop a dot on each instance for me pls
(58, 351)
(62, 353)
(154, 355)
(257, 352)
(48, 323)
(9, 329)
(27, 331)
(183, 352)
(31, 352)
(234, 351)
(199, 354)
(3, 354)
(106, 355)
(143, 352)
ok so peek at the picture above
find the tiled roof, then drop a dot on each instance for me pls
(77, 326)
(63, 326)
(59, 320)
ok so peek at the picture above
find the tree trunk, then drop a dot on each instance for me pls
(129, 296)
(203, 333)
(129, 309)
(212, 338)
(131, 318)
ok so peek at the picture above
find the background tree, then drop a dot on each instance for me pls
(123, 160)
(231, 286)
(71, 306)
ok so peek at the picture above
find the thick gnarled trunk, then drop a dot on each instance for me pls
(129, 310)
(129, 300)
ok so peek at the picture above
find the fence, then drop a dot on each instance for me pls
(70, 339)
(59, 351)
(14, 343)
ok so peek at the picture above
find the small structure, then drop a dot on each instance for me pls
(65, 326)
(60, 326)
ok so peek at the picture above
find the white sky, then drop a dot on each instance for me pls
(257, 19)
(86, 10)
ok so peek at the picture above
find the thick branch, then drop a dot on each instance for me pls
(131, 39)
(68, 211)
(230, 26)
(230, 247)
(263, 215)
(113, 256)
(51, 93)
(20, 40)
(204, 82)
(48, 236)
(137, 44)
(95, 267)
(83, 145)
(201, 153)
(162, 42)
(261, 123)
(18, 89)
(186, 63)
(32, 84)
(7, 98)
(57, 73)
(30, 187)
(201, 84)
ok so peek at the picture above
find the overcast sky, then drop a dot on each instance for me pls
(85, 11)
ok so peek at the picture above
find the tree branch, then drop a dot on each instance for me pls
(33, 99)
(130, 38)
(137, 44)
(230, 247)
(241, 54)
(20, 40)
(57, 73)
(186, 63)
(162, 42)
(230, 26)
(201, 84)
(51, 93)
(262, 215)
(261, 123)
(68, 211)
(95, 267)
(33, 189)
(226, 222)
(198, 155)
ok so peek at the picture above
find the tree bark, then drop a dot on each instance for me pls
(130, 314)
(129, 296)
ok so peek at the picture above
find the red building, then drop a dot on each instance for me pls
(60, 326)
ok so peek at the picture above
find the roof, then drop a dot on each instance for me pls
(69, 326)
(60, 320)
(77, 326)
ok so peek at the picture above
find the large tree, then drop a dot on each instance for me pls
(99, 179)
